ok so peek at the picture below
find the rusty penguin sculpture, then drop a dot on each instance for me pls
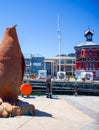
(12, 65)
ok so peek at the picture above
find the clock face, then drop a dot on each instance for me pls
(89, 36)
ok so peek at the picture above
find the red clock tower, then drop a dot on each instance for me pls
(87, 55)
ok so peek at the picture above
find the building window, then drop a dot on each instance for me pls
(27, 69)
(62, 68)
(68, 69)
(90, 52)
(73, 62)
(91, 65)
(94, 64)
(69, 62)
(98, 64)
(62, 62)
(78, 53)
(82, 65)
(82, 52)
(97, 52)
(48, 68)
(27, 61)
(86, 65)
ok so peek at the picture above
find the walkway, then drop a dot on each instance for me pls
(59, 113)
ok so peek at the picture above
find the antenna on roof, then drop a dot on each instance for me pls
(88, 27)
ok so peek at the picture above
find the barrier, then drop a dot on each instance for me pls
(26, 89)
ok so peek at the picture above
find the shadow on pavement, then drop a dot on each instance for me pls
(55, 98)
(28, 97)
(42, 113)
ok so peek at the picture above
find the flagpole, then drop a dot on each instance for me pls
(59, 42)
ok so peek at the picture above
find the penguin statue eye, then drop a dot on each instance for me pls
(7, 29)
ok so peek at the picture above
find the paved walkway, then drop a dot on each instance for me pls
(59, 113)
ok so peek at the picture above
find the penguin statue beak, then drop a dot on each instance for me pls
(14, 26)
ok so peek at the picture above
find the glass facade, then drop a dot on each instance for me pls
(69, 62)
(48, 68)
(34, 64)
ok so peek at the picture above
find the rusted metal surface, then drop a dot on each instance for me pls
(12, 65)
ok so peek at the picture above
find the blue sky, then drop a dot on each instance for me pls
(37, 23)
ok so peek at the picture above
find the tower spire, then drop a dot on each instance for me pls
(89, 34)
(88, 27)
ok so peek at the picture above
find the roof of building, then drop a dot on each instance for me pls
(87, 43)
(30, 55)
(62, 58)
(88, 31)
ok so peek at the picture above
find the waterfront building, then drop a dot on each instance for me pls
(87, 55)
(67, 64)
(34, 64)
